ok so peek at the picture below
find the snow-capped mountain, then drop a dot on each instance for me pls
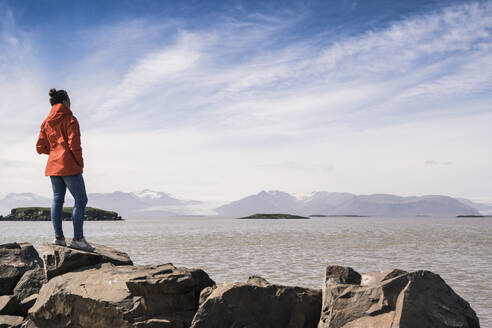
(145, 202)
(333, 203)
(158, 198)
(391, 205)
(13, 200)
(128, 204)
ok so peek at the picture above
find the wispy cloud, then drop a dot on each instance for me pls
(190, 110)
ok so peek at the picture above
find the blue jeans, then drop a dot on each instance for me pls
(75, 184)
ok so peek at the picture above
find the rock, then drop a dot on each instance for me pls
(106, 295)
(205, 293)
(258, 281)
(15, 260)
(178, 320)
(8, 321)
(259, 304)
(28, 302)
(202, 281)
(392, 298)
(9, 304)
(30, 283)
(60, 259)
(27, 324)
(341, 275)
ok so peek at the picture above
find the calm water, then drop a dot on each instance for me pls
(295, 252)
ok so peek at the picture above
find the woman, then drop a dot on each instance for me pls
(60, 139)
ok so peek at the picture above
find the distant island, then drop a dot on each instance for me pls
(474, 216)
(277, 216)
(338, 216)
(43, 214)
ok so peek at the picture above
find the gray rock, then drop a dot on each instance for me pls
(106, 295)
(258, 281)
(205, 293)
(9, 304)
(392, 298)
(259, 304)
(28, 302)
(60, 259)
(341, 275)
(15, 260)
(202, 281)
(8, 321)
(27, 323)
(176, 320)
(30, 283)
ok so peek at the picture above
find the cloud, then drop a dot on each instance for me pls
(213, 111)
(433, 163)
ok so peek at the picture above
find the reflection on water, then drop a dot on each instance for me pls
(295, 252)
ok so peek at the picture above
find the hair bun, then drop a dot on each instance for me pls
(52, 92)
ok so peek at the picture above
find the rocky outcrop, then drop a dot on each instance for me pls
(104, 289)
(15, 260)
(258, 303)
(60, 259)
(393, 298)
(43, 214)
(120, 296)
(9, 321)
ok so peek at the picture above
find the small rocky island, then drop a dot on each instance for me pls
(43, 214)
(337, 216)
(262, 216)
(103, 289)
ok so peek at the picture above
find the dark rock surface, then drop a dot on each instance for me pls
(392, 298)
(60, 259)
(30, 283)
(28, 302)
(9, 304)
(9, 321)
(15, 260)
(120, 296)
(259, 304)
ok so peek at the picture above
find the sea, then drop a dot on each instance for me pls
(296, 252)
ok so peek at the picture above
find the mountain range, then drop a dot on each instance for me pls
(147, 203)
(334, 203)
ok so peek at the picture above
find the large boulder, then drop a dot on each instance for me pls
(15, 260)
(61, 259)
(256, 304)
(106, 295)
(30, 283)
(392, 298)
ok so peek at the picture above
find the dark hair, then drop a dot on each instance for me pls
(57, 96)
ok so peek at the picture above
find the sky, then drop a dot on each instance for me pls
(216, 100)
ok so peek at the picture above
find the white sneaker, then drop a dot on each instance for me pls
(81, 244)
(59, 242)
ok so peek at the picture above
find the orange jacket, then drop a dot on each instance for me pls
(60, 139)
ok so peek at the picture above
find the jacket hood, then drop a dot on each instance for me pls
(58, 111)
